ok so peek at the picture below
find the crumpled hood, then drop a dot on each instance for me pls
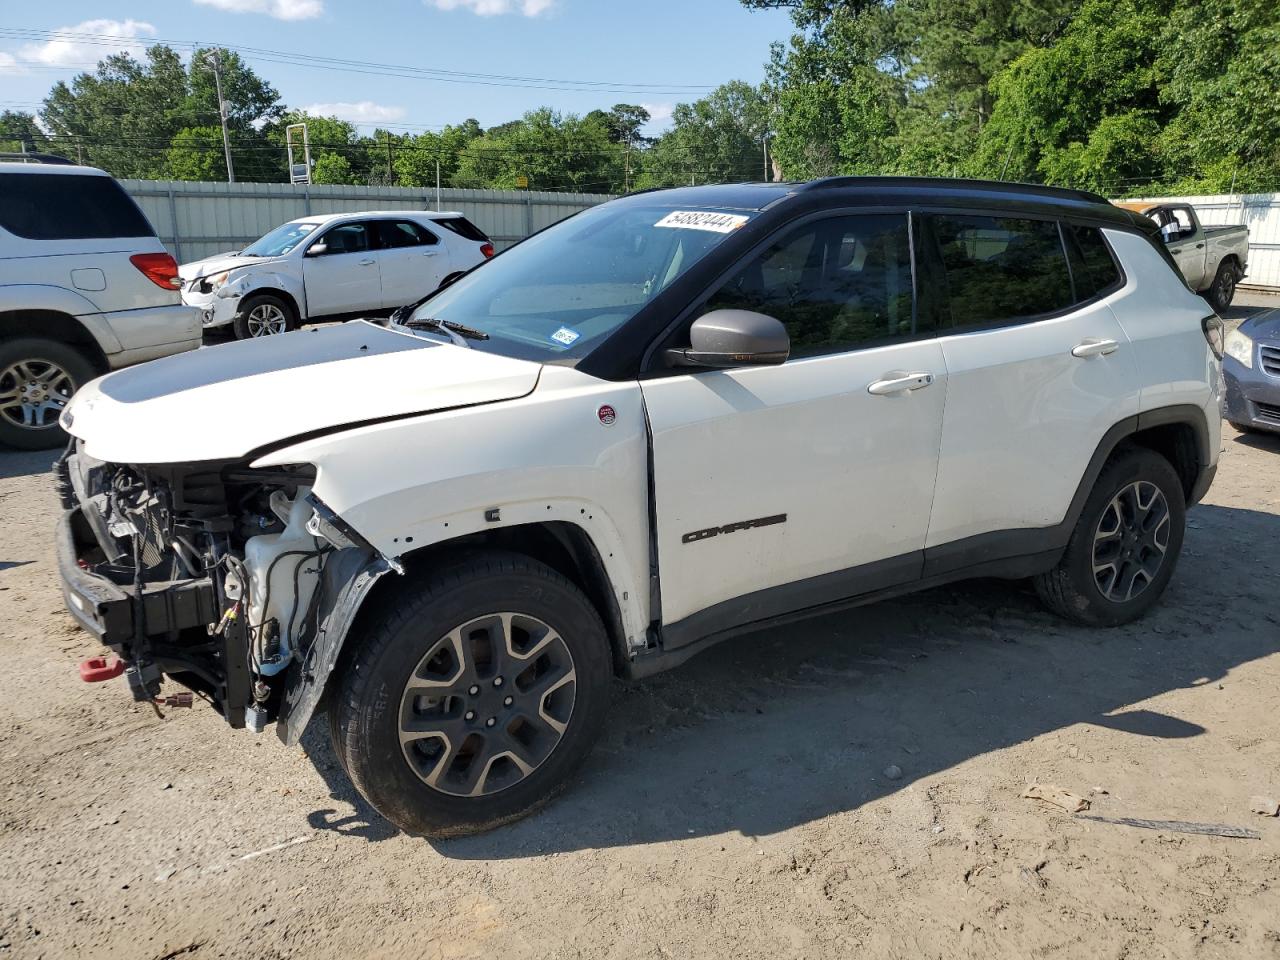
(223, 402)
(220, 263)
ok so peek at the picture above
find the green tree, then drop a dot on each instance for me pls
(554, 151)
(19, 131)
(332, 168)
(196, 153)
(416, 159)
(718, 138)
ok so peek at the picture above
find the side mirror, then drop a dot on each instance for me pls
(733, 338)
(318, 249)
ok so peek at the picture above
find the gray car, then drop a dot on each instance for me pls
(1251, 370)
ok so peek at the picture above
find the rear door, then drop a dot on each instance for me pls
(345, 278)
(412, 261)
(1038, 369)
(781, 487)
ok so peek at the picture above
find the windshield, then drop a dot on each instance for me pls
(280, 240)
(562, 291)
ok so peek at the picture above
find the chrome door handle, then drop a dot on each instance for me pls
(428, 253)
(366, 263)
(900, 384)
(1094, 347)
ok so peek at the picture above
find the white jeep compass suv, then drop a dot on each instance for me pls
(670, 419)
(85, 287)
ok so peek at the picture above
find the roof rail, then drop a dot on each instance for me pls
(50, 158)
(1008, 186)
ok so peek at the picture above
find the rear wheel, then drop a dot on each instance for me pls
(1223, 290)
(263, 315)
(37, 379)
(1125, 546)
(474, 695)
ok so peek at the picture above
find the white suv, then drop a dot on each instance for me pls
(332, 267)
(675, 417)
(85, 287)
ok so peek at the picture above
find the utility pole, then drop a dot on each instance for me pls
(222, 114)
(438, 183)
(389, 175)
(764, 144)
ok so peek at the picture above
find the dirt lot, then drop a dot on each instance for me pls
(736, 807)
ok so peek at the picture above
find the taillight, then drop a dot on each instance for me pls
(487, 250)
(1215, 334)
(160, 268)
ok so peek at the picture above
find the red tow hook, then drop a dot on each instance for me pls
(98, 669)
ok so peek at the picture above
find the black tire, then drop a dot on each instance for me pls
(371, 702)
(36, 360)
(247, 319)
(1223, 290)
(1073, 590)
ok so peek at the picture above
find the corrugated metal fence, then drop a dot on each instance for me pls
(197, 220)
(1260, 212)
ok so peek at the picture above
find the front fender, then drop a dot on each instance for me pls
(256, 282)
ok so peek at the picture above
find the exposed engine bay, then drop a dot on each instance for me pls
(217, 575)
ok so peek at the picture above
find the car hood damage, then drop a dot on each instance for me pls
(228, 401)
(221, 263)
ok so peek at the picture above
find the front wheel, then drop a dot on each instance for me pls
(1125, 545)
(1223, 290)
(263, 315)
(475, 693)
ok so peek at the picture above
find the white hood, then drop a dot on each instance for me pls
(223, 402)
(220, 263)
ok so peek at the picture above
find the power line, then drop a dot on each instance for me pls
(372, 67)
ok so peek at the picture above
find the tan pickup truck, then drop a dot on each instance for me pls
(1212, 259)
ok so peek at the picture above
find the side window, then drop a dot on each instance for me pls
(347, 238)
(62, 206)
(404, 233)
(1093, 269)
(1000, 269)
(836, 285)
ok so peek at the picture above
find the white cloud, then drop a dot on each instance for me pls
(494, 8)
(659, 114)
(104, 37)
(9, 64)
(364, 111)
(279, 9)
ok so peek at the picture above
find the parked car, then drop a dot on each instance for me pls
(672, 418)
(333, 267)
(85, 287)
(1251, 374)
(1212, 259)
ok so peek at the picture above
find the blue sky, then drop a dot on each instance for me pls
(656, 52)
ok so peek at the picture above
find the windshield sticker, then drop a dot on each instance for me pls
(702, 220)
(565, 336)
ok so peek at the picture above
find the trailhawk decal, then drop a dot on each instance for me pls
(710, 532)
(702, 220)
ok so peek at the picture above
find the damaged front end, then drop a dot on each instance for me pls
(235, 582)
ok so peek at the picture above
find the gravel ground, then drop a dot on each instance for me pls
(738, 806)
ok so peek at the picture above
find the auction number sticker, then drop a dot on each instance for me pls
(703, 220)
(566, 336)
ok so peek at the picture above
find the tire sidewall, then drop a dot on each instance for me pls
(1134, 465)
(367, 718)
(66, 356)
(240, 325)
(1215, 298)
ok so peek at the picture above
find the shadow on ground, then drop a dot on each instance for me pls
(789, 725)
(22, 463)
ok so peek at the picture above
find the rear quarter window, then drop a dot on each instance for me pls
(1093, 268)
(49, 206)
(463, 228)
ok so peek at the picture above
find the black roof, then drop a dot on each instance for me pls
(925, 191)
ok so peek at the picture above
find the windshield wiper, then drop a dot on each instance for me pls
(457, 332)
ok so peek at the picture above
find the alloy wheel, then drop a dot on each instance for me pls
(1226, 286)
(33, 393)
(267, 319)
(487, 704)
(1130, 542)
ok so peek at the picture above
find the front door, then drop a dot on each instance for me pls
(412, 261)
(788, 486)
(1186, 245)
(343, 279)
